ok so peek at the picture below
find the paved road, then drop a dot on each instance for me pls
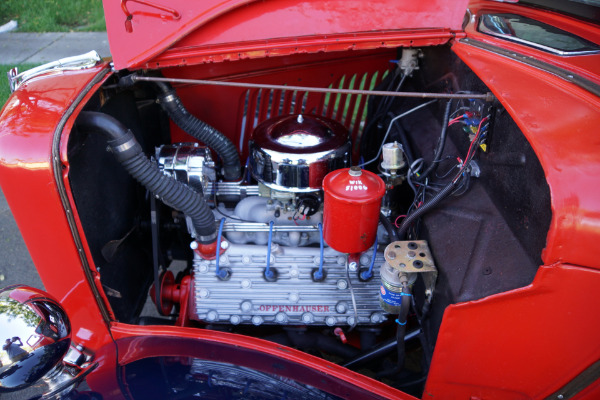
(15, 263)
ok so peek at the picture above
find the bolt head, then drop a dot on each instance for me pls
(280, 317)
(376, 318)
(212, 315)
(353, 266)
(341, 307)
(246, 306)
(307, 318)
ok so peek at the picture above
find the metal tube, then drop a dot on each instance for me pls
(380, 350)
(264, 227)
(484, 96)
(231, 189)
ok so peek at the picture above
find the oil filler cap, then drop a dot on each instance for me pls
(355, 171)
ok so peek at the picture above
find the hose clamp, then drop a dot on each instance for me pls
(168, 98)
(125, 146)
(207, 238)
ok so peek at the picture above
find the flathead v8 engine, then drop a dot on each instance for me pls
(298, 248)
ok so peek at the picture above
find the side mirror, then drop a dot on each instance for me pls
(35, 336)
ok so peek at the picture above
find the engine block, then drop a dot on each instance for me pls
(294, 298)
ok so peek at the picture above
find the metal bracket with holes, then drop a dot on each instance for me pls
(413, 256)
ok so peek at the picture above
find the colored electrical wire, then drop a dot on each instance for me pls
(247, 170)
(471, 151)
(217, 209)
(318, 275)
(268, 273)
(366, 275)
(450, 188)
(397, 218)
(457, 119)
(221, 274)
(414, 169)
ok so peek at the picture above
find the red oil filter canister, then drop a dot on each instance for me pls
(351, 211)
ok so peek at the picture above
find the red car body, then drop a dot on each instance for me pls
(536, 341)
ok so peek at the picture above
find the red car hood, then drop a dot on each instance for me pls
(158, 33)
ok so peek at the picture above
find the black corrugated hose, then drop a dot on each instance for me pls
(446, 191)
(200, 130)
(173, 193)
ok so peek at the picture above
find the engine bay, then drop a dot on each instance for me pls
(334, 222)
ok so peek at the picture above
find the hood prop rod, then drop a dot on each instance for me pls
(425, 95)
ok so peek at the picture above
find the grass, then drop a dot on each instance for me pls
(4, 88)
(48, 16)
(54, 15)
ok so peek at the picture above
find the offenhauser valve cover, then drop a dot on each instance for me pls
(247, 298)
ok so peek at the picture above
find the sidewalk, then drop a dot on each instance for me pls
(16, 265)
(18, 48)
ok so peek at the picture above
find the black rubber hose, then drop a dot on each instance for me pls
(173, 193)
(200, 130)
(389, 228)
(427, 352)
(379, 351)
(401, 332)
(445, 192)
(314, 340)
(405, 145)
(440, 146)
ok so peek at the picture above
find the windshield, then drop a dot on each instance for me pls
(534, 33)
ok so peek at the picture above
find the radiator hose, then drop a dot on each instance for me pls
(200, 130)
(173, 193)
